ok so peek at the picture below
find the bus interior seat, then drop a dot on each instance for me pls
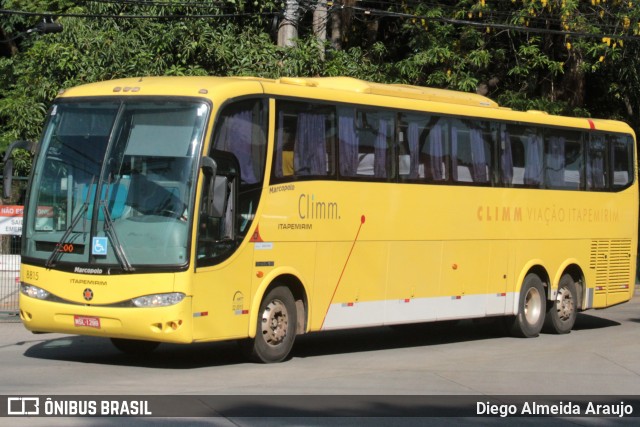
(149, 196)
(117, 193)
(620, 177)
(572, 179)
(464, 174)
(518, 176)
(365, 164)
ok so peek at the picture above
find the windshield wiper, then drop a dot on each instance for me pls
(57, 253)
(110, 231)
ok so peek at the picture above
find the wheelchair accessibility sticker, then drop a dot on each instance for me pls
(99, 246)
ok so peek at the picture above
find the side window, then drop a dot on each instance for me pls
(470, 151)
(366, 143)
(521, 156)
(434, 150)
(622, 160)
(412, 134)
(563, 159)
(597, 162)
(305, 141)
(230, 199)
(241, 130)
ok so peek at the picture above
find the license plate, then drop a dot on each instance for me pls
(88, 321)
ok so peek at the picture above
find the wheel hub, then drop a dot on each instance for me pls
(532, 305)
(564, 304)
(275, 322)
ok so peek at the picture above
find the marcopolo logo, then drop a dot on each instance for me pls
(87, 270)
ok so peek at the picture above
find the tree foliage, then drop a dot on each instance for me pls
(562, 56)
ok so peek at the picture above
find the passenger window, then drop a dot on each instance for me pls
(597, 161)
(411, 137)
(366, 142)
(242, 131)
(622, 160)
(470, 151)
(521, 156)
(434, 152)
(563, 159)
(305, 140)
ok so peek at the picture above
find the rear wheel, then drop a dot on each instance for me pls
(562, 312)
(134, 347)
(276, 329)
(531, 309)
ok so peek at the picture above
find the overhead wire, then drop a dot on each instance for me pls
(505, 21)
(495, 25)
(139, 16)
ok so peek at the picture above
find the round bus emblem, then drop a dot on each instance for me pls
(88, 294)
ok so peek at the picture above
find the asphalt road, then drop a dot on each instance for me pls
(600, 357)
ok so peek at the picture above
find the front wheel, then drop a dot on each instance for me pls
(531, 309)
(562, 312)
(276, 329)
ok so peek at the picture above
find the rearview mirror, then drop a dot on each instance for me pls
(208, 166)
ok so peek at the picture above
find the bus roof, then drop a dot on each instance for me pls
(164, 85)
(157, 86)
(350, 84)
(207, 86)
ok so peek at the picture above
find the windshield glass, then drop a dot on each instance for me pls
(113, 183)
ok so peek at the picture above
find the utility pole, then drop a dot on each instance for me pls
(341, 16)
(336, 29)
(288, 30)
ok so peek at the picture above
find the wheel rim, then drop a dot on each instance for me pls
(275, 322)
(564, 304)
(532, 306)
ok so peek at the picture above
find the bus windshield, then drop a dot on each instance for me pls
(113, 183)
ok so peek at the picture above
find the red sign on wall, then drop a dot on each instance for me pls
(11, 219)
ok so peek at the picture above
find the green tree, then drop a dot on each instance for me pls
(562, 56)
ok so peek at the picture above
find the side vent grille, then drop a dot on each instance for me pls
(611, 260)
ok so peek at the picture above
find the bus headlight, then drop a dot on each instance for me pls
(158, 300)
(33, 291)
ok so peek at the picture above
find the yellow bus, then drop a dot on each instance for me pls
(191, 209)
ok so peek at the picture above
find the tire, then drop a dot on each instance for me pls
(276, 329)
(531, 309)
(134, 347)
(562, 313)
